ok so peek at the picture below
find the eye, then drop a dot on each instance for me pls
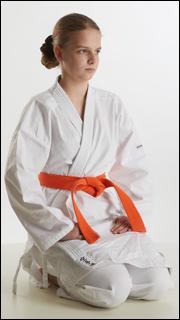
(81, 51)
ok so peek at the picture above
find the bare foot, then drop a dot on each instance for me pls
(52, 279)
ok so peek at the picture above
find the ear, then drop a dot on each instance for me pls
(58, 53)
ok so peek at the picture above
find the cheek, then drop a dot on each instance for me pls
(77, 61)
(81, 60)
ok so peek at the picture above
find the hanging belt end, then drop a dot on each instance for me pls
(14, 289)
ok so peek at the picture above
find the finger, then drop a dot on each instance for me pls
(119, 227)
(114, 227)
(123, 230)
(122, 219)
(119, 220)
(116, 220)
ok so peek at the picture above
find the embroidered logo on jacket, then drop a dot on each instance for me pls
(139, 146)
(85, 260)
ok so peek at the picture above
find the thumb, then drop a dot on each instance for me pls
(116, 220)
(80, 237)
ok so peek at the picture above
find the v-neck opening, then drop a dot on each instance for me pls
(74, 110)
(84, 128)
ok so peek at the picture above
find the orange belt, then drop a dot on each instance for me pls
(94, 186)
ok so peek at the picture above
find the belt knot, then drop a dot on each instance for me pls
(91, 185)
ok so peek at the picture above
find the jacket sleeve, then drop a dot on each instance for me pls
(28, 153)
(130, 169)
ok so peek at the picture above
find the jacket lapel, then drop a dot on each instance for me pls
(79, 164)
(85, 128)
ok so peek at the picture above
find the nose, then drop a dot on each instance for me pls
(92, 58)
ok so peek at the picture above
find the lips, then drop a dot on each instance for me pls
(90, 69)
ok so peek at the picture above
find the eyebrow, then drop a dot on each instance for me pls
(86, 47)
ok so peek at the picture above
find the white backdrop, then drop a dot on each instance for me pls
(139, 62)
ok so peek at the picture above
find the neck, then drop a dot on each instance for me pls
(72, 87)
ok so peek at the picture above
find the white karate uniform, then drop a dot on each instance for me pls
(51, 137)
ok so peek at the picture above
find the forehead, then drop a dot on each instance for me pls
(88, 37)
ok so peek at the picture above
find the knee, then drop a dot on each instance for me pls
(119, 287)
(105, 288)
(159, 287)
(109, 295)
(119, 293)
(116, 294)
(105, 298)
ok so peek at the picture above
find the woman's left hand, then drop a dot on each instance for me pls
(121, 225)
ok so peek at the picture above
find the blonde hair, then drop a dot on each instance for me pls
(61, 35)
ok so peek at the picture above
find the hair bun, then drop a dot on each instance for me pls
(48, 58)
(49, 39)
(47, 47)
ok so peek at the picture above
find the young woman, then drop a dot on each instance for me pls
(77, 180)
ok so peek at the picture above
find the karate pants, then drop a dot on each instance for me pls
(112, 283)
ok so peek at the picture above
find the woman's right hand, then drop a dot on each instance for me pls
(74, 234)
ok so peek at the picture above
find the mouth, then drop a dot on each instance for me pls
(90, 69)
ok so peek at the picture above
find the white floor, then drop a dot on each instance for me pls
(34, 303)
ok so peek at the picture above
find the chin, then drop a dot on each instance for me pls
(87, 77)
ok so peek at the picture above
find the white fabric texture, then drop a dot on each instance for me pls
(103, 284)
(51, 137)
(113, 284)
